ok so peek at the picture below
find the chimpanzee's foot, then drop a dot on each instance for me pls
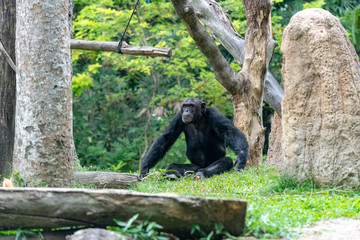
(175, 170)
(199, 175)
(224, 164)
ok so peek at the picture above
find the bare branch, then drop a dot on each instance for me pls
(125, 48)
(224, 73)
(272, 44)
(273, 93)
(220, 26)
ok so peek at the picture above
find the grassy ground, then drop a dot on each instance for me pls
(277, 205)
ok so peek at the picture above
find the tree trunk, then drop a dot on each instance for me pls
(7, 86)
(246, 87)
(64, 207)
(77, 166)
(43, 132)
(248, 103)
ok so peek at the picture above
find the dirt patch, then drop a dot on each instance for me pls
(337, 229)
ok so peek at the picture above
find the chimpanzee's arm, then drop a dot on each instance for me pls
(162, 144)
(233, 136)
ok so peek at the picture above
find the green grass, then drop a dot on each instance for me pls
(277, 205)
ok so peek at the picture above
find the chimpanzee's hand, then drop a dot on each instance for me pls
(143, 174)
(239, 165)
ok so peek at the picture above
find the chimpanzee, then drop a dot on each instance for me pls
(207, 132)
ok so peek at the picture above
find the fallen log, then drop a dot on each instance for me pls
(106, 179)
(64, 207)
(125, 48)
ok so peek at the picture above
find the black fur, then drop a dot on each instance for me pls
(207, 132)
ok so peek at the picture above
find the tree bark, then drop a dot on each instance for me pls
(246, 87)
(43, 132)
(61, 207)
(77, 166)
(106, 179)
(248, 104)
(7, 86)
(125, 48)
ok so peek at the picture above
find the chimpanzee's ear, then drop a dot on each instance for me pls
(203, 107)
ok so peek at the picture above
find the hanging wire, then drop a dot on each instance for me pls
(122, 38)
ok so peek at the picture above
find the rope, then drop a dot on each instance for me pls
(122, 38)
(7, 57)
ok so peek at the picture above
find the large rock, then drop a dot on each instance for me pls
(321, 106)
(96, 234)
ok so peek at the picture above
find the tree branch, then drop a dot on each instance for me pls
(220, 26)
(273, 93)
(125, 48)
(224, 73)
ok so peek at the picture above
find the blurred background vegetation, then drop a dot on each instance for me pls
(122, 102)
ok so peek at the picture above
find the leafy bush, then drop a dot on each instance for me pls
(145, 230)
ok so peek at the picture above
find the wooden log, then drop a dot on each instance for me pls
(106, 179)
(125, 48)
(64, 207)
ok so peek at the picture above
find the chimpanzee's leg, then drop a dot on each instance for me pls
(222, 165)
(179, 170)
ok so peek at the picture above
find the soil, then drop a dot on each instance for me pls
(337, 229)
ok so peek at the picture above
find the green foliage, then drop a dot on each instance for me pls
(277, 204)
(145, 230)
(7, 233)
(217, 233)
(84, 80)
(314, 4)
(22, 234)
(17, 180)
(356, 29)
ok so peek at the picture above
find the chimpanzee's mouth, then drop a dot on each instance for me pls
(186, 120)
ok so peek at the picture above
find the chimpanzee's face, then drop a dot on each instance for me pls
(192, 110)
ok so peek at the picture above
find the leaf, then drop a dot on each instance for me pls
(119, 223)
(130, 222)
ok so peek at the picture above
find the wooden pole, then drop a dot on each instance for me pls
(125, 48)
(64, 207)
